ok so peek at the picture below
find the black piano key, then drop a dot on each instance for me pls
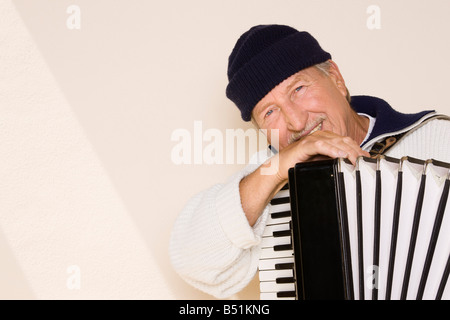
(284, 266)
(285, 187)
(286, 294)
(282, 247)
(284, 233)
(282, 214)
(285, 280)
(276, 201)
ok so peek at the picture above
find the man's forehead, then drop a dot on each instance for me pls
(305, 74)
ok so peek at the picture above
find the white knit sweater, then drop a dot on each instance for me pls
(214, 248)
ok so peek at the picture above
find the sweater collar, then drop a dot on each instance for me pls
(387, 119)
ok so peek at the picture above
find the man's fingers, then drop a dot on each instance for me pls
(320, 143)
(334, 150)
(331, 145)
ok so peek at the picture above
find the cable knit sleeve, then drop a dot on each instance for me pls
(212, 245)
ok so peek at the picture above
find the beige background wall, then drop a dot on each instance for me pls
(88, 191)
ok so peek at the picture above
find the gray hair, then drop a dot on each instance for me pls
(325, 67)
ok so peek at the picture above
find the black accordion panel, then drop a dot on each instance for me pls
(377, 230)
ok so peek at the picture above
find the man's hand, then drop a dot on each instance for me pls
(311, 147)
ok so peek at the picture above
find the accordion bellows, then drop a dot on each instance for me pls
(377, 230)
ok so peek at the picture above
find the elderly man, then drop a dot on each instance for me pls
(282, 79)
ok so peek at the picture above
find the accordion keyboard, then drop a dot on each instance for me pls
(276, 264)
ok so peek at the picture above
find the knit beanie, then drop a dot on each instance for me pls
(263, 57)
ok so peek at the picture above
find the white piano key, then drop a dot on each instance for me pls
(269, 253)
(282, 194)
(273, 296)
(269, 230)
(269, 264)
(272, 286)
(272, 275)
(270, 221)
(268, 242)
(279, 207)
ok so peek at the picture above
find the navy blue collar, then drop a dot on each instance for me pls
(387, 119)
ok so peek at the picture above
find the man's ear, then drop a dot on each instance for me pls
(337, 78)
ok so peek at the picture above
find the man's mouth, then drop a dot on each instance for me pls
(297, 136)
(316, 128)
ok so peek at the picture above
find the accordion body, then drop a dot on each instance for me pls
(377, 230)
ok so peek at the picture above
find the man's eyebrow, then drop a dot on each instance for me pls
(259, 108)
(298, 77)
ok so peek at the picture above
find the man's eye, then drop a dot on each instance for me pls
(268, 113)
(298, 88)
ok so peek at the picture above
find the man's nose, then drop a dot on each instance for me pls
(295, 117)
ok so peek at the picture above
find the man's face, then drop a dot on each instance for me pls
(304, 103)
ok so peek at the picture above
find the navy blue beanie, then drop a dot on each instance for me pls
(263, 57)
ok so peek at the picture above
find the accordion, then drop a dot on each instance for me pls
(376, 230)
